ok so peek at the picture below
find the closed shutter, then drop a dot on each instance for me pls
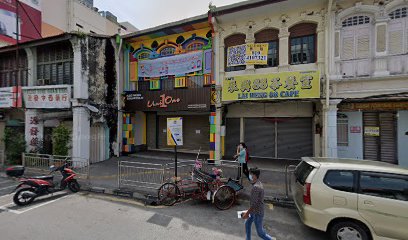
(260, 136)
(363, 41)
(347, 44)
(151, 130)
(371, 150)
(387, 137)
(396, 36)
(232, 136)
(295, 138)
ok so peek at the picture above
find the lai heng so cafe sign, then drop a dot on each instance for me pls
(285, 85)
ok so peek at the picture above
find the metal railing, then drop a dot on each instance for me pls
(41, 163)
(152, 176)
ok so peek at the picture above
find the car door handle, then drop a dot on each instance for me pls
(366, 202)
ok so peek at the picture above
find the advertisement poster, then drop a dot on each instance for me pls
(175, 131)
(173, 65)
(372, 131)
(285, 85)
(251, 53)
(9, 96)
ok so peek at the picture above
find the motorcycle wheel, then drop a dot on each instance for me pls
(22, 200)
(74, 186)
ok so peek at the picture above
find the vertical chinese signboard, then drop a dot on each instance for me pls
(47, 97)
(175, 131)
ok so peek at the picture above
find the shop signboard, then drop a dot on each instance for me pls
(49, 97)
(9, 96)
(284, 85)
(175, 131)
(372, 131)
(355, 129)
(197, 99)
(245, 54)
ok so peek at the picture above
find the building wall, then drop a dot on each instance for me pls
(403, 138)
(355, 140)
(55, 13)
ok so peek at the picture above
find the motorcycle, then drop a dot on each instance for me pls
(33, 187)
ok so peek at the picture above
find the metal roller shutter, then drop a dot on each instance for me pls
(151, 130)
(295, 138)
(232, 136)
(260, 136)
(371, 150)
(387, 138)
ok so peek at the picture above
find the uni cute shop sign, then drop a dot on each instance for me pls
(285, 85)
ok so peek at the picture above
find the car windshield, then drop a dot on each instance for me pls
(302, 171)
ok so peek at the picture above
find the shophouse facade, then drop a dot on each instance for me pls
(369, 76)
(168, 74)
(66, 79)
(269, 62)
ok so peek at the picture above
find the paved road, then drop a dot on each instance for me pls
(6, 185)
(89, 216)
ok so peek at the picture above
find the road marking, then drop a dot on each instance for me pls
(8, 187)
(42, 204)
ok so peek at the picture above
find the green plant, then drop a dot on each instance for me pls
(15, 145)
(61, 138)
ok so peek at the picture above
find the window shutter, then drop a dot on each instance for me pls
(363, 42)
(348, 44)
(395, 36)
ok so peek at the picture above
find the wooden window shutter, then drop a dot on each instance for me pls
(348, 44)
(395, 36)
(363, 42)
(381, 38)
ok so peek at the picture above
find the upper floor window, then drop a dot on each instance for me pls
(397, 33)
(9, 75)
(195, 46)
(303, 43)
(399, 13)
(233, 40)
(356, 38)
(167, 51)
(271, 37)
(143, 55)
(55, 64)
(355, 20)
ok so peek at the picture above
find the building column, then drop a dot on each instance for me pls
(34, 130)
(32, 66)
(321, 48)
(284, 49)
(81, 75)
(81, 133)
(330, 129)
(381, 42)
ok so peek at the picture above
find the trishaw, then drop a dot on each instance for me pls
(200, 186)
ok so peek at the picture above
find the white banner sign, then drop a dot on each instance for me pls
(47, 97)
(175, 131)
(8, 97)
(174, 65)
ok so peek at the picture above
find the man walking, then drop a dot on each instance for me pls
(255, 212)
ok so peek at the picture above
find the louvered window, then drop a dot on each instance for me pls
(356, 38)
(398, 32)
(55, 64)
(167, 51)
(9, 76)
(342, 130)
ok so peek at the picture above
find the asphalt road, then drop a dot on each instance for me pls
(90, 216)
(7, 185)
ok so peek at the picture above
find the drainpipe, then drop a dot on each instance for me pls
(118, 94)
(327, 73)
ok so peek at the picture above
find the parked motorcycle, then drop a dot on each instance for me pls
(33, 187)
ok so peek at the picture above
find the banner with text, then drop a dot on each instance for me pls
(10, 97)
(250, 53)
(47, 97)
(173, 65)
(175, 131)
(285, 85)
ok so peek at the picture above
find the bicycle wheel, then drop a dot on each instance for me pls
(224, 197)
(168, 194)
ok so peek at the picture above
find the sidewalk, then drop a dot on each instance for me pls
(104, 176)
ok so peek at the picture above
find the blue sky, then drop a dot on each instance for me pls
(145, 14)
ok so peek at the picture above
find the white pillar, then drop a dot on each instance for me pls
(32, 66)
(81, 75)
(330, 130)
(34, 130)
(81, 134)
(284, 49)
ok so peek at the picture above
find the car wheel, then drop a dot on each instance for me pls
(348, 231)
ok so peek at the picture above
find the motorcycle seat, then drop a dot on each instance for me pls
(49, 177)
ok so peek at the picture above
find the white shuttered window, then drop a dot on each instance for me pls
(398, 32)
(356, 38)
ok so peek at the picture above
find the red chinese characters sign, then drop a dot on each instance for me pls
(47, 97)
